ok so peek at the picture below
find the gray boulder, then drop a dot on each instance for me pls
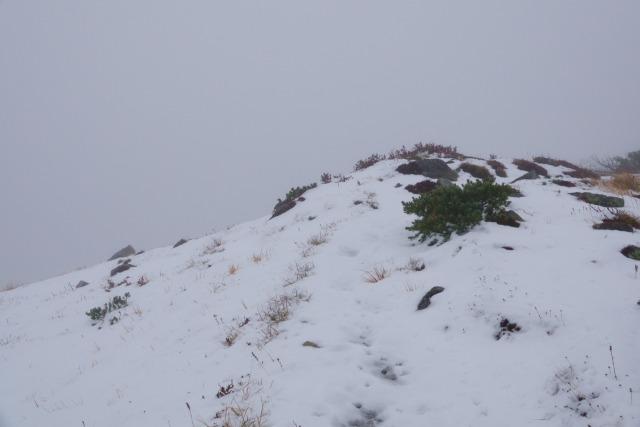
(528, 175)
(124, 252)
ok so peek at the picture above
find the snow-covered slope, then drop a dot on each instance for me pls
(219, 331)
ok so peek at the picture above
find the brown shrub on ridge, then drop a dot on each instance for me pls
(577, 172)
(476, 171)
(622, 183)
(527, 166)
(497, 166)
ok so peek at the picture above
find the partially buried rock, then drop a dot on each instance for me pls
(632, 252)
(180, 243)
(310, 344)
(600, 199)
(122, 267)
(282, 206)
(528, 175)
(426, 300)
(509, 218)
(616, 226)
(81, 284)
(124, 252)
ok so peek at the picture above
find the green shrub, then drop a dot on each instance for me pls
(99, 313)
(296, 192)
(449, 209)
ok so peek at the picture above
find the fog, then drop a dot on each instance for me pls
(144, 122)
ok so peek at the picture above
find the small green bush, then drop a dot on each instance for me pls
(449, 209)
(99, 313)
(296, 192)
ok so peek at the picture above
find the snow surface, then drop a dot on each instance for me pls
(378, 360)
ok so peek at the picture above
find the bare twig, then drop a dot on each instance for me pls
(613, 363)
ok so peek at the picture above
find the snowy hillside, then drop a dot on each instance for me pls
(281, 322)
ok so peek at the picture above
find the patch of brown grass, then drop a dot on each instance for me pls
(624, 218)
(497, 166)
(375, 275)
(233, 269)
(10, 287)
(527, 166)
(621, 183)
(476, 171)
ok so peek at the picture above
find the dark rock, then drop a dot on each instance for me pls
(81, 284)
(616, 226)
(426, 300)
(121, 268)
(509, 218)
(508, 248)
(282, 206)
(528, 175)
(600, 199)
(124, 252)
(180, 243)
(431, 168)
(632, 252)
(563, 183)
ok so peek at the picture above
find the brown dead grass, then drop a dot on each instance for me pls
(233, 269)
(621, 183)
(10, 287)
(375, 275)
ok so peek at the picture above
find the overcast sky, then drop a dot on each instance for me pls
(143, 122)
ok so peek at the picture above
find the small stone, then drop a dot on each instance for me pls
(310, 344)
(426, 300)
(180, 243)
(81, 284)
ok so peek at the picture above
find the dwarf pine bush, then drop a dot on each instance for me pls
(99, 313)
(449, 209)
